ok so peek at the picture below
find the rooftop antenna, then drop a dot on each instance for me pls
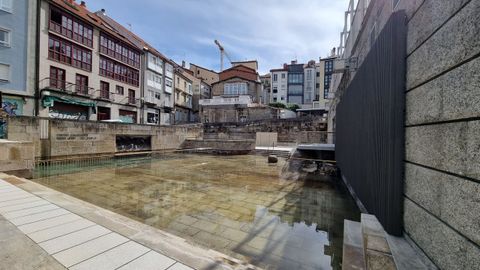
(129, 27)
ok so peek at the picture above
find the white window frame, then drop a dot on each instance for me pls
(6, 8)
(9, 73)
(8, 43)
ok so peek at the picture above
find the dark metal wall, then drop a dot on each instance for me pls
(370, 127)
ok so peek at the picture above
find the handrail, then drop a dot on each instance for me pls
(65, 86)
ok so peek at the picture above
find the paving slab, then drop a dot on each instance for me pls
(22, 205)
(49, 223)
(113, 258)
(73, 239)
(151, 260)
(66, 228)
(67, 240)
(89, 249)
(39, 216)
(30, 211)
(15, 196)
(14, 245)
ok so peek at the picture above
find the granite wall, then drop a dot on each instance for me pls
(55, 138)
(297, 130)
(442, 168)
(442, 128)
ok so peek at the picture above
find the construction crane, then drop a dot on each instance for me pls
(222, 54)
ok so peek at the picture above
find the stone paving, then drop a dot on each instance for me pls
(73, 241)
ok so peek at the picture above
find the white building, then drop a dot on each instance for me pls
(279, 85)
(309, 76)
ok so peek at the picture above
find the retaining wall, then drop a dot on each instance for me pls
(55, 138)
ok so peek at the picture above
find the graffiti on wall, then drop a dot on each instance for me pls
(133, 143)
(12, 106)
(67, 115)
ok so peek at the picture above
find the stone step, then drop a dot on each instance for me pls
(366, 245)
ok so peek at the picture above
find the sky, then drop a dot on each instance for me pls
(271, 31)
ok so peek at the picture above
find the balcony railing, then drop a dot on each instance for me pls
(64, 86)
(105, 95)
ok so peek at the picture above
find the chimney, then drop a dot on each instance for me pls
(333, 52)
(183, 63)
(83, 4)
(294, 62)
(103, 11)
(285, 66)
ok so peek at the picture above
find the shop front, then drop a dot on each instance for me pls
(127, 116)
(67, 108)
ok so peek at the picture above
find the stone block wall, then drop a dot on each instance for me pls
(16, 155)
(442, 168)
(61, 138)
(298, 130)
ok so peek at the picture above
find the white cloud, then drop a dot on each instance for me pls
(271, 31)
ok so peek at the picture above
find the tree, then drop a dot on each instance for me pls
(293, 107)
(277, 105)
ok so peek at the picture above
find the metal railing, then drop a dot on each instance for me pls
(65, 86)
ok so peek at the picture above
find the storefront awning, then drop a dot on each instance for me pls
(48, 101)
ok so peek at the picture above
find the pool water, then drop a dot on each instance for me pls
(274, 216)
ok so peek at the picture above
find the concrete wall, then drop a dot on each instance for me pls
(442, 170)
(55, 138)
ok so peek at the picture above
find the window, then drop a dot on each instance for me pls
(309, 74)
(295, 78)
(155, 63)
(326, 81)
(119, 72)
(275, 77)
(104, 90)
(178, 80)
(57, 78)
(329, 66)
(70, 27)
(81, 84)
(275, 90)
(131, 96)
(119, 90)
(5, 37)
(234, 89)
(127, 116)
(153, 118)
(283, 75)
(65, 52)
(318, 74)
(119, 51)
(275, 99)
(282, 98)
(4, 73)
(168, 85)
(103, 113)
(6, 5)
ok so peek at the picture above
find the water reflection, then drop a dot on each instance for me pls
(275, 216)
